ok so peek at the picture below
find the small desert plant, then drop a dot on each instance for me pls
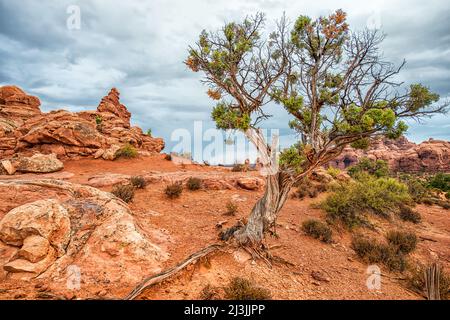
(149, 132)
(317, 230)
(127, 151)
(124, 192)
(232, 208)
(174, 190)
(334, 172)
(98, 120)
(416, 281)
(406, 213)
(244, 289)
(404, 241)
(428, 201)
(194, 183)
(209, 292)
(373, 251)
(307, 188)
(138, 182)
(168, 157)
(239, 168)
(378, 168)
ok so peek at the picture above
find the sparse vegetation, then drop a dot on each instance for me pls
(232, 208)
(239, 168)
(124, 192)
(98, 119)
(404, 241)
(306, 187)
(416, 188)
(174, 190)
(416, 281)
(351, 201)
(318, 230)
(373, 251)
(194, 183)
(149, 132)
(378, 168)
(406, 213)
(127, 151)
(209, 292)
(138, 182)
(168, 157)
(244, 289)
(334, 172)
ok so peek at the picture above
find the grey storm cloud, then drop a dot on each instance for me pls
(139, 47)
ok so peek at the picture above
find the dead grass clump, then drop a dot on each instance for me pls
(138, 182)
(317, 230)
(173, 190)
(406, 213)
(404, 241)
(124, 192)
(232, 208)
(244, 289)
(194, 183)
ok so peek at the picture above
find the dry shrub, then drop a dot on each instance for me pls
(404, 241)
(406, 213)
(232, 208)
(209, 292)
(244, 289)
(124, 192)
(317, 230)
(174, 190)
(138, 182)
(239, 168)
(416, 281)
(373, 251)
(168, 157)
(194, 183)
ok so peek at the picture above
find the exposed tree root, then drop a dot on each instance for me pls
(154, 279)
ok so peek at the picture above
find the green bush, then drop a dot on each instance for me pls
(416, 188)
(406, 213)
(334, 172)
(124, 192)
(404, 241)
(317, 230)
(138, 182)
(174, 190)
(378, 168)
(373, 251)
(440, 181)
(243, 289)
(351, 201)
(194, 183)
(98, 120)
(149, 132)
(127, 151)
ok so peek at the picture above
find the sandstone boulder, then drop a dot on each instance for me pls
(56, 226)
(39, 163)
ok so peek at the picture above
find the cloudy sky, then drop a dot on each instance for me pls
(139, 47)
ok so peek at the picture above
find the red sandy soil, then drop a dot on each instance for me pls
(190, 223)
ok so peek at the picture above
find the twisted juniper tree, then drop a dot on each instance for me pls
(332, 82)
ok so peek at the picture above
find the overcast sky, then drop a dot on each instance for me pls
(139, 47)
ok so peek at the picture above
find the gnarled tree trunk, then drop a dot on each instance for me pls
(266, 209)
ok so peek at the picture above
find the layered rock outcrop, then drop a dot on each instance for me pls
(50, 227)
(24, 129)
(402, 155)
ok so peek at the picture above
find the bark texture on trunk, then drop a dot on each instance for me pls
(266, 209)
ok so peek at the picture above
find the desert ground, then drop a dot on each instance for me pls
(310, 269)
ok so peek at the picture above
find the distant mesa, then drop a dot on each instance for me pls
(401, 155)
(25, 130)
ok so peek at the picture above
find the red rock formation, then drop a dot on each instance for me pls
(24, 129)
(401, 155)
